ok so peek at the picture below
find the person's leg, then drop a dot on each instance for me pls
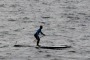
(38, 39)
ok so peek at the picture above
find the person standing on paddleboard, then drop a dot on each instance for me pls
(36, 35)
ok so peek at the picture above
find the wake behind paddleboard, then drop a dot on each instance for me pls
(22, 46)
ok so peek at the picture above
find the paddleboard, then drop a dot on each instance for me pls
(46, 47)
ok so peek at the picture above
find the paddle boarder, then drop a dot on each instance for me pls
(36, 35)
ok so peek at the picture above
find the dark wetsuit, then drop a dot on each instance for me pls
(36, 35)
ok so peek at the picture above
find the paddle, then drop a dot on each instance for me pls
(40, 37)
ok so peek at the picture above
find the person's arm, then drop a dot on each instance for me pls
(42, 33)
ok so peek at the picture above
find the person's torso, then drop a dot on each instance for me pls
(38, 31)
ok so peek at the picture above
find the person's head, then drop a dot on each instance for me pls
(41, 26)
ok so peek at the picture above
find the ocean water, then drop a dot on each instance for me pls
(65, 22)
